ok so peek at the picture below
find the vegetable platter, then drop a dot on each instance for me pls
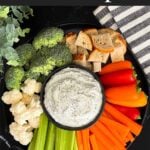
(121, 121)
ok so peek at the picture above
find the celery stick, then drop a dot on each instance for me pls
(64, 139)
(32, 144)
(75, 144)
(50, 138)
(70, 138)
(41, 134)
(59, 143)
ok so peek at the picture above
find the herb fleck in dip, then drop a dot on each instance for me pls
(73, 97)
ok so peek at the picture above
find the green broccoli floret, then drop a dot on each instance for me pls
(49, 58)
(13, 77)
(48, 37)
(25, 53)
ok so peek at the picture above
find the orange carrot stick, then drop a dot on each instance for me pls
(115, 133)
(93, 142)
(86, 139)
(79, 140)
(130, 137)
(122, 129)
(105, 114)
(110, 135)
(116, 66)
(134, 127)
(103, 140)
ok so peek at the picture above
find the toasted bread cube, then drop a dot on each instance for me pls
(116, 37)
(117, 54)
(120, 41)
(79, 59)
(70, 42)
(103, 42)
(95, 56)
(96, 66)
(82, 50)
(90, 31)
(84, 41)
(105, 57)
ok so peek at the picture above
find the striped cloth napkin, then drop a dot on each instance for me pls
(134, 24)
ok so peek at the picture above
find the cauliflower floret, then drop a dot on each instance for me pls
(12, 97)
(27, 115)
(22, 134)
(33, 110)
(34, 122)
(35, 102)
(26, 98)
(18, 108)
(31, 86)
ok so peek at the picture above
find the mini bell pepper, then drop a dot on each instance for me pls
(138, 99)
(122, 92)
(116, 66)
(131, 112)
(118, 78)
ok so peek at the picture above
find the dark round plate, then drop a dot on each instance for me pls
(6, 117)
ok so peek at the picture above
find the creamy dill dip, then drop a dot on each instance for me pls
(73, 97)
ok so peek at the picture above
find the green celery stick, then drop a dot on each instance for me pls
(75, 144)
(64, 139)
(70, 138)
(32, 144)
(41, 134)
(50, 138)
(59, 143)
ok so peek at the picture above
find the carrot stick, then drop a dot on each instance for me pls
(130, 137)
(86, 139)
(116, 66)
(122, 129)
(115, 133)
(79, 140)
(93, 142)
(103, 140)
(134, 127)
(110, 135)
(105, 114)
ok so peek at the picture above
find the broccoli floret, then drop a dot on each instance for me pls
(48, 37)
(25, 53)
(13, 77)
(49, 58)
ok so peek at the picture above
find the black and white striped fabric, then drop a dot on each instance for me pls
(134, 23)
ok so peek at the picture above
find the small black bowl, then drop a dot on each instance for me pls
(48, 114)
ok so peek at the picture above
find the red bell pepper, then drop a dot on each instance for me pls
(133, 113)
(118, 78)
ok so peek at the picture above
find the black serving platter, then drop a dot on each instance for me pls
(7, 141)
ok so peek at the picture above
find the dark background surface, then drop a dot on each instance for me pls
(53, 16)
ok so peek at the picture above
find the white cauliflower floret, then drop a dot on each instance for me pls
(31, 86)
(26, 98)
(18, 108)
(12, 97)
(34, 110)
(34, 122)
(35, 102)
(22, 134)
